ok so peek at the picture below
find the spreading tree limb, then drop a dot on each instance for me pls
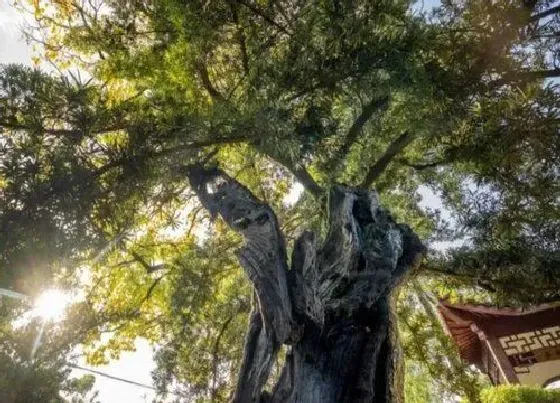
(421, 166)
(205, 77)
(524, 76)
(374, 105)
(544, 14)
(395, 147)
(301, 175)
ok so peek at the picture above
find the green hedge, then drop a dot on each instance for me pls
(519, 394)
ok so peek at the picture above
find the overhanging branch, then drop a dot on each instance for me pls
(68, 183)
(241, 38)
(395, 147)
(307, 181)
(205, 77)
(376, 104)
(544, 14)
(421, 166)
(302, 176)
(259, 12)
(525, 76)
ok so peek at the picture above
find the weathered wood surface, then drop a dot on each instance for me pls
(332, 307)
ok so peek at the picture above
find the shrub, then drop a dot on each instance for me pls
(519, 394)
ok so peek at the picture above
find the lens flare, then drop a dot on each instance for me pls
(51, 305)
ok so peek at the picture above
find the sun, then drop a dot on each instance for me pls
(51, 305)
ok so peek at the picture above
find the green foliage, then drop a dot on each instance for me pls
(430, 352)
(34, 369)
(92, 193)
(418, 385)
(519, 394)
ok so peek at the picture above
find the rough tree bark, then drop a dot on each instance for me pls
(331, 307)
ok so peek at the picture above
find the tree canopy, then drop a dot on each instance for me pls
(94, 193)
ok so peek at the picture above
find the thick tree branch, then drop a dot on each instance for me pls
(498, 270)
(301, 175)
(307, 181)
(487, 278)
(424, 165)
(375, 105)
(148, 267)
(69, 183)
(207, 83)
(395, 147)
(264, 255)
(532, 75)
(170, 151)
(257, 11)
(525, 76)
(543, 14)
(547, 35)
(241, 39)
(59, 132)
(150, 291)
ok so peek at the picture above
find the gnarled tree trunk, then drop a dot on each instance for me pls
(332, 307)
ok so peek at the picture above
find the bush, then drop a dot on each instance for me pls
(519, 394)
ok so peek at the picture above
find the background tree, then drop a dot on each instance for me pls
(363, 93)
(30, 374)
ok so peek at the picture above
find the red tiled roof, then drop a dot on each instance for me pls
(461, 321)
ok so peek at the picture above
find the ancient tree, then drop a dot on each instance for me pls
(331, 306)
(219, 109)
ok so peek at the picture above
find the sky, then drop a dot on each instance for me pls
(12, 48)
(426, 5)
(135, 366)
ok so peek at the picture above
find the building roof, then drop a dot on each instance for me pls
(462, 321)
